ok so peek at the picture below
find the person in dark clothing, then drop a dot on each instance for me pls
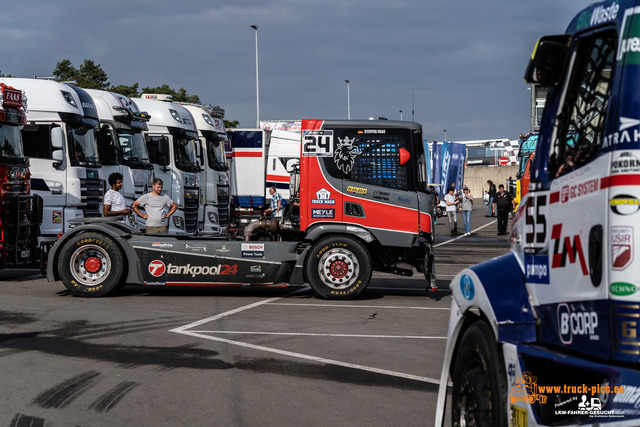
(503, 203)
(492, 194)
(436, 202)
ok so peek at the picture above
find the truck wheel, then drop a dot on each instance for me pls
(479, 381)
(338, 268)
(90, 265)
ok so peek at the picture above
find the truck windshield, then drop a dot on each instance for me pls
(83, 147)
(133, 146)
(216, 156)
(185, 155)
(10, 141)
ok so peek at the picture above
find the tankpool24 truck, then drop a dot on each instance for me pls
(121, 145)
(214, 178)
(19, 211)
(564, 304)
(60, 142)
(171, 142)
(358, 204)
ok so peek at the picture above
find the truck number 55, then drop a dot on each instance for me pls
(535, 217)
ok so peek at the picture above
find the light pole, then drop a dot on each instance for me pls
(348, 101)
(255, 27)
(400, 115)
(445, 135)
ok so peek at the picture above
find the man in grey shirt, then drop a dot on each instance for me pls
(154, 204)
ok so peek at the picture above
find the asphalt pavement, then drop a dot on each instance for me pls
(231, 357)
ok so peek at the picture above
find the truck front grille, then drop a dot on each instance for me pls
(91, 193)
(191, 214)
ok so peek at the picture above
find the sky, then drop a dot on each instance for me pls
(459, 64)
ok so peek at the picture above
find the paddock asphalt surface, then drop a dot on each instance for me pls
(232, 356)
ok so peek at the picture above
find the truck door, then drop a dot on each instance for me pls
(567, 224)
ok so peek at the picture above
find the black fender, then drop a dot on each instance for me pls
(116, 231)
(321, 230)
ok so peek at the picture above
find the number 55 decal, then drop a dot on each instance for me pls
(317, 143)
(536, 219)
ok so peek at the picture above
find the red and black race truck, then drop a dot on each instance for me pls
(358, 203)
(19, 211)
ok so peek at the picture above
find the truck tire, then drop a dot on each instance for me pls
(90, 265)
(479, 381)
(338, 268)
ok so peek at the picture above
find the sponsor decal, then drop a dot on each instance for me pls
(256, 269)
(623, 135)
(222, 248)
(625, 333)
(323, 213)
(573, 322)
(599, 15)
(161, 245)
(357, 190)
(466, 287)
(157, 268)
(346, 153)
(567, 248)
(404, 200)
(629, 43)
(621, 247)
(381, 195)
(570, 192)
(537, 269)
(625, 162)
(12, 97)
(629, 396)
(197, 248)
(624, 204)
(56, 217)
(621, 289)
(252, 250)
(373, 131)
(323, 197)
(317, 143)
(255, 276)
(155, 283)
(323, 193)
(196, 270)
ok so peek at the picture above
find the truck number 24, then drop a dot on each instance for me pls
(317, 143)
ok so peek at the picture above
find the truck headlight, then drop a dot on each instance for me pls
(178, 222)
(190, 194)
(213, 218)
(223, 192)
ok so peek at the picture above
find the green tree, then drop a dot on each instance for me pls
(130, 91)
(65, 70)
(231, 123)
(92, 76)
(180, 95)
(5, 75)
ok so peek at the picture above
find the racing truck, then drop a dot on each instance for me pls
(20, 212)
(358, 203)
(563, 304)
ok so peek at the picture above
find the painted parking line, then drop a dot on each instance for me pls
(184, 331)
(302, 334)
(360, 306)
(462, 236)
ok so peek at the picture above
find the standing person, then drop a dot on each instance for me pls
(467, 207)
(113, 203)
(492, 194)
(504, 204)
(154, 204)
(276, 208)
(452, 204)
(436, 202)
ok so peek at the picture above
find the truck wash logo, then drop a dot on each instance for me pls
(196, 270)
(629, 42)
(621, 247)
(323, 197)
(345, 154)
(567, 248)
(157, 268)
(572, 322)
(624, 204)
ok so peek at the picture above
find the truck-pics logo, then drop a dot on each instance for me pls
(621, 247)
(157, 268)
(572, 322)
(567, 248)
(526, 389)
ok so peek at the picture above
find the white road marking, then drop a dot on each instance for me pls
(302, 334)
(183, 330)
(462, 236)
(360, 306)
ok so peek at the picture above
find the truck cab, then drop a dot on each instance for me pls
(60, 142)
(214, 177)
(122, 146)
(566, 305)
(172, 141)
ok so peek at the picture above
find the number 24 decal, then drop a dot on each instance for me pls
(317, 143)
(538, 218)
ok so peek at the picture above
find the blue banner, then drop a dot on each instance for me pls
(445, 168)
(458, 154)
(436, 155)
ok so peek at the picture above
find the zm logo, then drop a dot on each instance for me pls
(567, 248)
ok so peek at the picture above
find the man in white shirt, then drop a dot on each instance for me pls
(452, 205)
(113, 203)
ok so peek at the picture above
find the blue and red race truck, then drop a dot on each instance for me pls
(358, 203)
(564, 304)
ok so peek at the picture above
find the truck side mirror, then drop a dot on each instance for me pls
(163, 145)
(548, 60)
(57, 155)
(57, 137)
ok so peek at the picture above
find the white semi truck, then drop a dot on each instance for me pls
(122, 147)
(214, 177)
(172, 141)
(60, 142)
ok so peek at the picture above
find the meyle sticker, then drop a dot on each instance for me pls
(624, 204)
(161, 245)
(252, 250)
(537, 269)
(317, 143)
(621, 247)
(323, 213)
(466, 287)
(157, 268)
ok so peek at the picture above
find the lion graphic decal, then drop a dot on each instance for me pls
(345, 154)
